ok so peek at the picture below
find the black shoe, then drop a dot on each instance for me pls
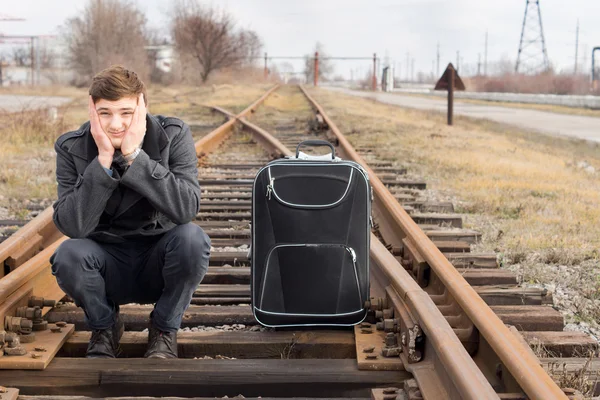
(161, 344)
(105, 342)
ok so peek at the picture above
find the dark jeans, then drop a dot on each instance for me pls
(164, 269)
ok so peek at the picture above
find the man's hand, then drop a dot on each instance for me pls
(105, 147)
(137, 129)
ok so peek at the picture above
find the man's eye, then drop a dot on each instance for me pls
(127, 113)
(104, 113)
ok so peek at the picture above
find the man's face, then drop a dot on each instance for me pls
(115, 117)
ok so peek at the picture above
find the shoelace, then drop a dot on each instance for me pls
(165, 338)
(96, 335)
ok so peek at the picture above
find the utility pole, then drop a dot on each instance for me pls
(457, 60)
(407, 67)
(437, 69)
(316, 70)
(374, 78)
(486, 54)
(32, 63)
(576, 47)
(266, 71)
(584, 59)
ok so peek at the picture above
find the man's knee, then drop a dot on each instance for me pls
(192, 238)
(193, 248)
(73, 256)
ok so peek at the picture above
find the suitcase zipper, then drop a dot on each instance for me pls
(270, 188)
(352, 253)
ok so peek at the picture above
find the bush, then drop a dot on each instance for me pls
(545, 83)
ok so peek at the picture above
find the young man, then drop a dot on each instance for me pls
(127, 191)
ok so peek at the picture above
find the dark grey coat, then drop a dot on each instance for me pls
(158, 191)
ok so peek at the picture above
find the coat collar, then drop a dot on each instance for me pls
(155, 141)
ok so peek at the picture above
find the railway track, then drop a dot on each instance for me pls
(444, 323)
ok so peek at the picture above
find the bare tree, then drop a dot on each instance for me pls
(325, 65)
(47, 56)
(108, 32)
(211, 38)
(21, 56)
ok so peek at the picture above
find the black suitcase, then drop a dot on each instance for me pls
(311, 220)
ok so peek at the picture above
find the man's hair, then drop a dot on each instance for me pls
(116, 82)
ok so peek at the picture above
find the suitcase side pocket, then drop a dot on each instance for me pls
(310, 280)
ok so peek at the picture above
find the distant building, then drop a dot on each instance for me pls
(50, 63)
(163, 56)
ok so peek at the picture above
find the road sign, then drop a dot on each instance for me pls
(450, 81)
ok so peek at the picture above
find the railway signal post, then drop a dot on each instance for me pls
(450, 81)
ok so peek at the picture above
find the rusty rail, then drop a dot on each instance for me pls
(468, 381)
(519, 360)
(211, 141)
(446, 362)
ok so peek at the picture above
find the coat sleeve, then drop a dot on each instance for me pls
(173, 191)
(81, 198)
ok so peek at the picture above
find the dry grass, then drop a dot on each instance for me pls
(49, 90)
(27, 165)
(546, 82)
(581, 379)
(287, 102)
(524, 191)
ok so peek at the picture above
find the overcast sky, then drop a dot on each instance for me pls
(361, 27)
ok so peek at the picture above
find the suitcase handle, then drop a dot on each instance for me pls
(315, 143)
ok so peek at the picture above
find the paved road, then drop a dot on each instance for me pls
(576, 126)
(12, 103)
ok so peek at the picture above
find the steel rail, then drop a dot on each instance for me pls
(211, 141)
(519, 360)
(469, 382)
(22, 237)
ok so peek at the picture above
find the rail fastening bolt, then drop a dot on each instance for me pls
(369, 349)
